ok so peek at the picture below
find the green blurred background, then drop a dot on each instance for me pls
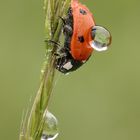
(100, 101)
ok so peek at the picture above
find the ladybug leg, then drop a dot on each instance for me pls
(53, 42)
(67, 30)
(63, 20)
(61, 52)
(56, 44)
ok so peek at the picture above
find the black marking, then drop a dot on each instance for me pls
(81, 39)
(83, 12)
(93, 32)
(70, 11)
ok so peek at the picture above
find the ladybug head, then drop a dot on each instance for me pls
(101, 38)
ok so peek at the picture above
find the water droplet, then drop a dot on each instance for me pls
(42, 71)
(101, 38)
(67, 73)
(49, 50)
(50, 131)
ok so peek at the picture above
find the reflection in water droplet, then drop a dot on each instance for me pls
(101, 38)
(49, 137)
(50, 131)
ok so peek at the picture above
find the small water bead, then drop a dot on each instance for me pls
(50, 130)
(67, 74)
(101, 38)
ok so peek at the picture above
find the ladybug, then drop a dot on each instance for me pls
(82, 37)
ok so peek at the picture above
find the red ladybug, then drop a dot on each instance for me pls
(82, 36)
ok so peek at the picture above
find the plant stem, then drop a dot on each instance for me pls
(33, 126)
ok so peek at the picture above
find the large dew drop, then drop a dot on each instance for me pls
(50, 131)
(101, 38)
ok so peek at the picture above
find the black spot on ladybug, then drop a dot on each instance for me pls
(83, 12)
(81, 39)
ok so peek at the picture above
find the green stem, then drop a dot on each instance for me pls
(32, 127)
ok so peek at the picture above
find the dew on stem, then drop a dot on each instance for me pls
(50, 129)
(33, 126)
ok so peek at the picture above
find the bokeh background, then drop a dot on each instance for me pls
(100, 101)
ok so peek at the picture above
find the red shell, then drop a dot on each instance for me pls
(82, 25)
